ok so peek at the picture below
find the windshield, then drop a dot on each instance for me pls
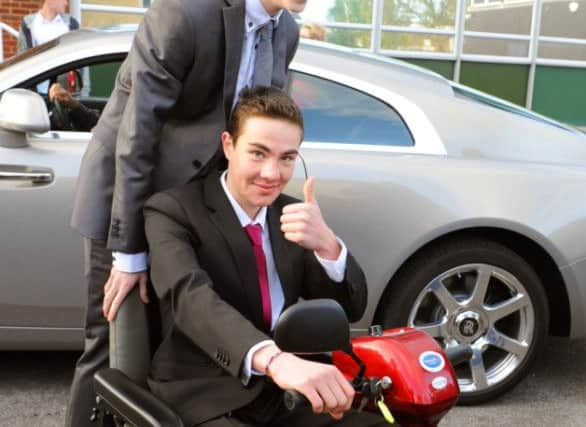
(29, 53)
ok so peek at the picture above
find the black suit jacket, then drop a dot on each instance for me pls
(204, 273)
(172, 98)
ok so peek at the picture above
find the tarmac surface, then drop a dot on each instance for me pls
(34, 388)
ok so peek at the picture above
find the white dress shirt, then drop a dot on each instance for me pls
(335, 270)
(255, 17)
(43, 30)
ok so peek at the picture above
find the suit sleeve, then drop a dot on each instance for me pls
(293, 44)
(162, 54)
(197, 310)
(83, 118)
(351, 293)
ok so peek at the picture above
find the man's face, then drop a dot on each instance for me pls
(58, 6)
(261, 161)
(295, 6)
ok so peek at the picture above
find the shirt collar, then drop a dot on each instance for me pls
(257, 16)
(243, 218)
(57, 20)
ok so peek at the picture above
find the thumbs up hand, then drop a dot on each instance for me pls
(303, 224)
(308, 195)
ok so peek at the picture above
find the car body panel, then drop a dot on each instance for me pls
(434, 196)
(574, 275)
(41, 281)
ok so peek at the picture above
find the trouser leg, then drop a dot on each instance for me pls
(98, 262)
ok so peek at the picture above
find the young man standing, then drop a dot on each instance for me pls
(228, 253)
(173, 95)
(48, 23)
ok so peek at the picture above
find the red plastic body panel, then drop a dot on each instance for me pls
(418, 396)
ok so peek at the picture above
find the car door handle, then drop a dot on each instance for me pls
(34, 175)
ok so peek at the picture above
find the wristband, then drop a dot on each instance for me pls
(271, 360)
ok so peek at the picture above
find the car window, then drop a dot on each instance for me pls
(339, 114)
(97, 80)
(103, 78)
(89, 86)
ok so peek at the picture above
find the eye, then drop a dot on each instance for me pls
(289, 158)
(257, 154)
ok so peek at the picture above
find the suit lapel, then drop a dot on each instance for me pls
(234, 35)
(224, 218)
(281, 255)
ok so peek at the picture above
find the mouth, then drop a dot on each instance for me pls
(267, 188)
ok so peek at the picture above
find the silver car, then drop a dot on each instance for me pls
(465, 211)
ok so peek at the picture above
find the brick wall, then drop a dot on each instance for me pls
(11, 12)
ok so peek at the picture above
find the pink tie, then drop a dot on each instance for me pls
(254, 232)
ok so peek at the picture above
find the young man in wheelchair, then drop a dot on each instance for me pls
(229, 252)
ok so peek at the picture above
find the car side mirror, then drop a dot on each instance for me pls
(21, 111)
(315, 326)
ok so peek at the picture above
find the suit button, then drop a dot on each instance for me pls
(197, 163)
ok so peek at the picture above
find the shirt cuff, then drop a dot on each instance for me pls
(335, 268)
(247, 370)
(130, 263)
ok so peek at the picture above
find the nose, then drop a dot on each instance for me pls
(270, 171)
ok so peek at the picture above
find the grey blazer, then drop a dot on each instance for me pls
(204, 273)
(172, 98)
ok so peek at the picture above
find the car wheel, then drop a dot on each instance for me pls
(478, 293)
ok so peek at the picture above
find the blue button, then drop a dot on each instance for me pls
(431, 361)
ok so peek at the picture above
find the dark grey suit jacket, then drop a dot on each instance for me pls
(204, 273)
(172, 98)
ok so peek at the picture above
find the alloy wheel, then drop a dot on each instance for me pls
(485, 307)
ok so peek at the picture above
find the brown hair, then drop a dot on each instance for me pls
(263, 101)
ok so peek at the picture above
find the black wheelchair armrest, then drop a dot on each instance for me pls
(132, 403)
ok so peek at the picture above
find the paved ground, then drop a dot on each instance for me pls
(34, 389)
(554, 395)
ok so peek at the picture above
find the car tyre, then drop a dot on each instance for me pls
(475, 292)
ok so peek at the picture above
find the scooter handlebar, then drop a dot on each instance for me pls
(458, 354)
(294, 400)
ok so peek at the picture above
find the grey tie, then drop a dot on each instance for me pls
(263, 66)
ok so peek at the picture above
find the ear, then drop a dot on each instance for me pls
(227, 144)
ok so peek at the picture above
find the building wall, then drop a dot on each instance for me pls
(11, 13)
(101, 19)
